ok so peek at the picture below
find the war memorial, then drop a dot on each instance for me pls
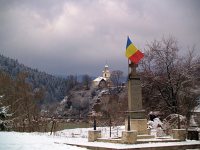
(136, 131)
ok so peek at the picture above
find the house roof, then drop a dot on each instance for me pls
(98, 79)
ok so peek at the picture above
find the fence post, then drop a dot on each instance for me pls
(179, 124)
(110, 126)
(53, 127)
(129, 126)
(95, 124)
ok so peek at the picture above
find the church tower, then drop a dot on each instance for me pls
(106, 72)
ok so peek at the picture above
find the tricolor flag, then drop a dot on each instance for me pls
(133, 53)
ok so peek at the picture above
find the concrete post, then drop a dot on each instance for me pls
(93, 135)
(179, 134)
(129, 137)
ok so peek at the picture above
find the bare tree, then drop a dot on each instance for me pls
(108, 106)
(164, 73)
(86, 80)
(115, 77)
(22, 101)
(71, 82)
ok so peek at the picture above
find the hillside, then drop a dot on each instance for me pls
(55, 87)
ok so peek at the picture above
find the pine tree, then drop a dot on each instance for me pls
(5, 123)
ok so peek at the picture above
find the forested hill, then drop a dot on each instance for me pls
(55, 87)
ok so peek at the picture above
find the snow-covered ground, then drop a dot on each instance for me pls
(45, 141)
(33, 141)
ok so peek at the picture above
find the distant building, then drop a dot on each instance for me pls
(106, 73)
(104, 80)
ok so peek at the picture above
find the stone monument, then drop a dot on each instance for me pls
(135, 107)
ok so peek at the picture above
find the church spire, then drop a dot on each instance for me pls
(106, 72)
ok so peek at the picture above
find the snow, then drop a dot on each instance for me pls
(61, 139)
(83, 132)
(128, 146)
(156, 127)
(33, 141)
(197, 109)
(4, 110)
(99, 79)
(45, 141)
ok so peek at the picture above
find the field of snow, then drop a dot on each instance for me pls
(45, 141)
(33, 141)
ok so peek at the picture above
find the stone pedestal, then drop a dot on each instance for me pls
(129, 137)
(93, 135)
(134, 94)
(135, 107)
(137, 124)
(179, 134)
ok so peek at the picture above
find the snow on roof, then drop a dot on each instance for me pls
(99, 79)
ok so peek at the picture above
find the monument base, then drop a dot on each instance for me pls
(129, 137)
(179, 134)
(140, 125)
(93, 135)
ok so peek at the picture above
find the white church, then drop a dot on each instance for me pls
(104, 80)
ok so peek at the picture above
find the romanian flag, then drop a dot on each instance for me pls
(133, 53)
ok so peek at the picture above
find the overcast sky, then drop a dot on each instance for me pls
(80, 36)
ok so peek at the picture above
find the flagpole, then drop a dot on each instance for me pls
(128, 68)
(128, 62)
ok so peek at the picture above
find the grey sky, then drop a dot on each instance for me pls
(79, 36)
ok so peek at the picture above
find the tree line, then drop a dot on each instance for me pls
(55, 88)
